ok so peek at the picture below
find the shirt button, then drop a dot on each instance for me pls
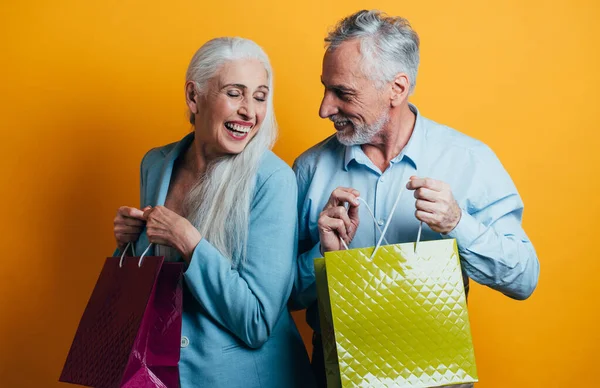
(185, 342)
(380, 222)
(381, 180)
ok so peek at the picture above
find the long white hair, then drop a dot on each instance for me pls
(219, 203)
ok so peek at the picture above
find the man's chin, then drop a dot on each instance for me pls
(347, 140)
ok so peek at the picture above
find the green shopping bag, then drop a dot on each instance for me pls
(395, 316)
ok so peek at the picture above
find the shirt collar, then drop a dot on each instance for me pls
(413, 150)
(352, 153)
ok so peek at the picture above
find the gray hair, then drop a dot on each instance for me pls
(219, 204)
(388, 44)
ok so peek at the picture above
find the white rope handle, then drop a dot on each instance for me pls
(123, 254)
(372, 216)
(144, 254)
(129, 244)
(387, 224)
(389, 220)
(344, 244)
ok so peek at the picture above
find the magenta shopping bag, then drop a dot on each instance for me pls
(130, 332)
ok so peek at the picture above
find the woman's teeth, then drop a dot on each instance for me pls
(238, 128)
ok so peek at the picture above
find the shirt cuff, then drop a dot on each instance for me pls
(308, 266)
(466, 231)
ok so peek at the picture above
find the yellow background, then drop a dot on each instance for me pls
(87, 87)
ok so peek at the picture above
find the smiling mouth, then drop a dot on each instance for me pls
(341, 124)
(237, 130)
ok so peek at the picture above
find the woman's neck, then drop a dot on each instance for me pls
(198, 156)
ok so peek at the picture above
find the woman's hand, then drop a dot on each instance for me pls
(128, 224)
(165, 227)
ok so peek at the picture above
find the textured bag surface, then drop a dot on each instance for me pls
(395, 315)
(330, 356)
(130, 332)
(399, 320)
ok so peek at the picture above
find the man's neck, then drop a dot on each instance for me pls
(392, 139)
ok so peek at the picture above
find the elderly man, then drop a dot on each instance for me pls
(457, 186)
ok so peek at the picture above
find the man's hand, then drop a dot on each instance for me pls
(435, 204)
(335, 221)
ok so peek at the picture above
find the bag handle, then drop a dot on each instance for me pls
(125, 251)
(372, 217)
(144, 254)
(387, 224)
(133, 251)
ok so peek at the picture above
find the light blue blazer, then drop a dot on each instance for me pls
(237, 330)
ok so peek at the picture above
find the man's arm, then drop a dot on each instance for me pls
(494, 249)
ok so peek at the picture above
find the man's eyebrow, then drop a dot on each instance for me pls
(339, 87)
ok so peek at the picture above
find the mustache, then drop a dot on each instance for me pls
(335, 118)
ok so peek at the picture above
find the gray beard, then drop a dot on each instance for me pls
(362, 133)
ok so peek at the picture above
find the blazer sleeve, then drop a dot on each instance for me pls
(248, 301)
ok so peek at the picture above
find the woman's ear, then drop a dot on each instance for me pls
(191, 97)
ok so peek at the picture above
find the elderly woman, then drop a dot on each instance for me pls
(220, 200)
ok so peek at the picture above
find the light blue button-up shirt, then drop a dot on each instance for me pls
(494, 250)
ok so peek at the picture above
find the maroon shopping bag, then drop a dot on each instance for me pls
(130, 332)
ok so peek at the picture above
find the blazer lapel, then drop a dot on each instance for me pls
(158, 183)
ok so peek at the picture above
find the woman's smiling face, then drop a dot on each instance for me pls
(229, 114)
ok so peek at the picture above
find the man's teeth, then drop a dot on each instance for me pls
(238, 128)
